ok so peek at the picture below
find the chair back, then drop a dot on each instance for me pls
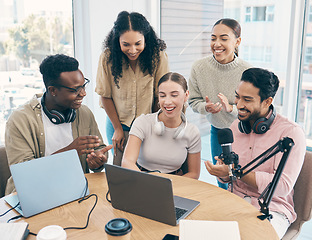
(4, 170)
(302, 198)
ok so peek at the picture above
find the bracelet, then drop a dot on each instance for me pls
(96, 169)
(226, 181)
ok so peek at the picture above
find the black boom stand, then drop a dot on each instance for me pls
(284, 145)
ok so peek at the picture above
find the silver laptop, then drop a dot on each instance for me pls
(48, 182)
(146, 195)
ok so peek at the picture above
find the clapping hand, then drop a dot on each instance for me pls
(225, 103)
(212, 107)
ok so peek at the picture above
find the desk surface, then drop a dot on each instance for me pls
(216, 204)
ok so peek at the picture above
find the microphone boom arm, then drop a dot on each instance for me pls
(283, 145)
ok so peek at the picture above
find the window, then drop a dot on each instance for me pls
(263, 45)
(29, 31)
(259, 53)
(304, 112)
(308, 59)
(186, 29)
(244, 54)
(259, 13)
(248, 14)
(270, 13)
(268, 54)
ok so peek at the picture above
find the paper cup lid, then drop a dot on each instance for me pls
(118, 227)
(52, 232)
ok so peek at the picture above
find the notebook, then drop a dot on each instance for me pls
(208, 230)
(14, 231)
(146, 195)
(48, 182)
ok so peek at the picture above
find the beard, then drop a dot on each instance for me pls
(252, 117)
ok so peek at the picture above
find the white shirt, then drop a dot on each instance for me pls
(164, 153)
(57, 136)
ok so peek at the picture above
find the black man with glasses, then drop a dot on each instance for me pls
(56, 121)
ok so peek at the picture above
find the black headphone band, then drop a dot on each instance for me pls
(260, 126)
(57, 117)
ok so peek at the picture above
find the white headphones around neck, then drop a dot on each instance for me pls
(159, 127)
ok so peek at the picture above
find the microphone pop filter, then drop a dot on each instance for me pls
(225, 135)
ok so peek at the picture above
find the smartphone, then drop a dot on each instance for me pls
(170, 237)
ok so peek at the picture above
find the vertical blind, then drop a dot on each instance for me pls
(186, 28)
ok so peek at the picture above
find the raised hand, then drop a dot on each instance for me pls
(84, 144)
(225, 103)
(218, 170)
(98, 158)
(212, 107)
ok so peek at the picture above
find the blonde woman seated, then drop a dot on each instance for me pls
(164, 140)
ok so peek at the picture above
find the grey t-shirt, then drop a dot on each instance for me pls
(163, 152)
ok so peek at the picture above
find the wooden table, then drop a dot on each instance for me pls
(216, 204)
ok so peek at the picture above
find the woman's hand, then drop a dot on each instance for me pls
(212, 107)
(118, 140)
(225, 103)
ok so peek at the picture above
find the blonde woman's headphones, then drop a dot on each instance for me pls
(159, 127)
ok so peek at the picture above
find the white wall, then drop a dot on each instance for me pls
(93, 19)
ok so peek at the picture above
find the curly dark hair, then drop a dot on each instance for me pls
(148, 59)
(52, 66)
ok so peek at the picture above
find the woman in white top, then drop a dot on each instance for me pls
(163, 141)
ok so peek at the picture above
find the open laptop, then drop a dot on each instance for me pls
(48, 182)
(146, 195)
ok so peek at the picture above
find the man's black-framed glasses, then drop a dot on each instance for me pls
(76, 90)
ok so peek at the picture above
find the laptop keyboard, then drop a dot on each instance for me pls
(179, 212)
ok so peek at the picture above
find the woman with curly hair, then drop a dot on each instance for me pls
(129, 69)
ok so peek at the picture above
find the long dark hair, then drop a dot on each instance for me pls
(148, 59)
(234, 25)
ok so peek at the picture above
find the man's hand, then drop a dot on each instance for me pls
(84, 144)
(219, 170)
(225, 103)
(212, 107)
(97, 159)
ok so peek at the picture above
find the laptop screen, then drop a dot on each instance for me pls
(144, 194)
(48, 182)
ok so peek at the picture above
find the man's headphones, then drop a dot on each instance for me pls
(159, 127)
(57, 117)
(260, 126)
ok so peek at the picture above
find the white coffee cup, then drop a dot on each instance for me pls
(52, 232)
